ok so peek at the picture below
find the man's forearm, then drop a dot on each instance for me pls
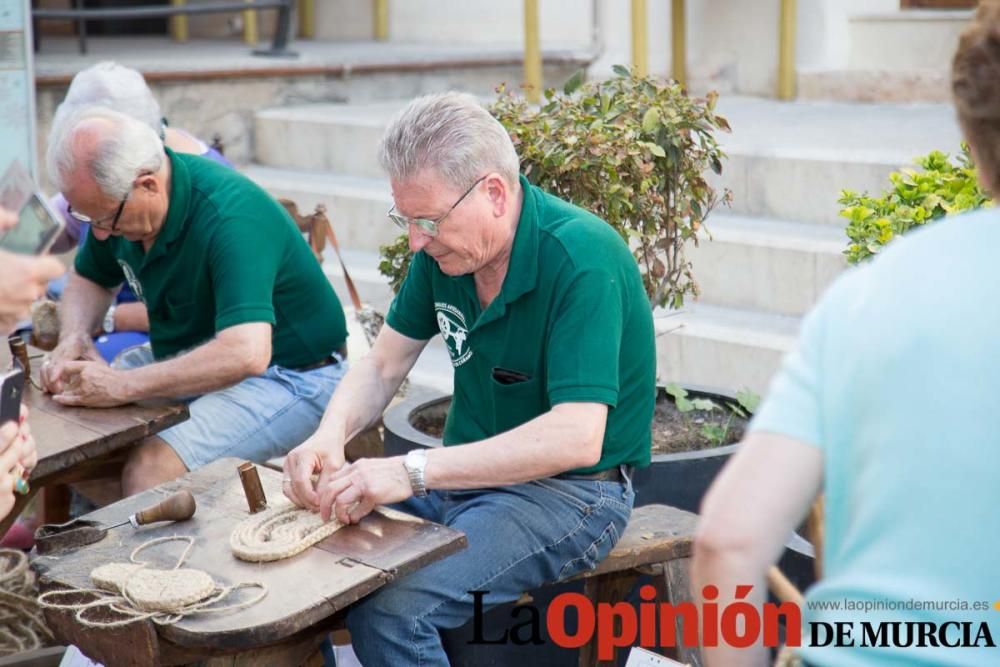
(721, 569)
(82, 307)
(567, 437)
(360, 398)
(212, 366)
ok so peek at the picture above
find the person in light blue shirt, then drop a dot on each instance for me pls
(888, 407)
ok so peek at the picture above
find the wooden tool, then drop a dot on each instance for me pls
(179, 506)
(53, 538)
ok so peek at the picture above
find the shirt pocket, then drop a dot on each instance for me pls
(517, 403)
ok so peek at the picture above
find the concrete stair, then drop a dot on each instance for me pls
(772, 255)
(895, 56)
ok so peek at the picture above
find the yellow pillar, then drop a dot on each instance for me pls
(307, 19)
(532, 53)
(250, 26)
(640, 60)
(678, 42)
(179, 23)
(381, 18)
(786, 51)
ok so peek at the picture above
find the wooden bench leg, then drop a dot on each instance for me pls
(610, 588)
(673, 585)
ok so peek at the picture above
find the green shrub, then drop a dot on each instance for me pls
(916, 198)
(634, 151)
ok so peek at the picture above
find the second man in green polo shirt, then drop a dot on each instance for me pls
(243, 322)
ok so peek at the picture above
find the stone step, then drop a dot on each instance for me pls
(874, 84)
(341, 138)
(905, 39)
(767, 265)
(356, 206)
(791, 160)
(724, 348)
(702, 344)
(786, 160)
(751, 263)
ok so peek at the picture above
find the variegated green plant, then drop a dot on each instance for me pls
(633, 150)
(916, 198)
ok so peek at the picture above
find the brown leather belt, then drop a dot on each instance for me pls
(338, 356)
(609, 475)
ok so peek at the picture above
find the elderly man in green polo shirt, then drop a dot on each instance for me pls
(243, 322)
(551, 338)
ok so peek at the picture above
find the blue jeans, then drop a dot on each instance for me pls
(520, 537)
(260, 418)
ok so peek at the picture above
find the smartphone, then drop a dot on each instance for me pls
(11, 388)
(37, 228)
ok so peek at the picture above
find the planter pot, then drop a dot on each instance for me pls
(672, 479)
(679, 479)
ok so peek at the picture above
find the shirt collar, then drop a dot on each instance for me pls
(177, 206)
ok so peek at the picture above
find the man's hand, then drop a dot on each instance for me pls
(92, 384)
(71, 348)
(23, 280)
(319, 455)
(354, 490)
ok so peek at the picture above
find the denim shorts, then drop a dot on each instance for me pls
(262, 417)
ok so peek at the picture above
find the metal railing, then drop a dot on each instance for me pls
(678, 46)
(176, 10)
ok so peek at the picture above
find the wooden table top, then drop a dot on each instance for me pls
(303, 591)
(67, 436)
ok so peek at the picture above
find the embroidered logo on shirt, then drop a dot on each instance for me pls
(454, 331)
(133, 280)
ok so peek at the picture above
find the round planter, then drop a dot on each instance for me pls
(679, 479)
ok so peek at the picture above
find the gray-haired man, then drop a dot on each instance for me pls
(551, 338)
(241, 316)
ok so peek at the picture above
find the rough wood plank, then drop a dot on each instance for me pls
(132, 645)
(304, 590)
(655, 534)
(675, 587)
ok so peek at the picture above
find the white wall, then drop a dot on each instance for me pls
(732, 44)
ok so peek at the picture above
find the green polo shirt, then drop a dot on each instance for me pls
(572, 322)
(227, 254)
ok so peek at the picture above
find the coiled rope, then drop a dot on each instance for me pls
(279, 532)
(141, 593)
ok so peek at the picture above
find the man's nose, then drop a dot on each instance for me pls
(418, 238)
(100, 234)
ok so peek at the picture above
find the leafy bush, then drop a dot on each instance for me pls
(916, 198)
(634, 151)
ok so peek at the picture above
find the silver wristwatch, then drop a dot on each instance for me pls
(415, 464)
(108, 326)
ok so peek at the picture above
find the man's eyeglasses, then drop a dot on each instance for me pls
(429, 227)
(99, 223)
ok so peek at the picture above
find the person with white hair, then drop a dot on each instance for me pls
(243, 322)
(551, 338)
(115, 86)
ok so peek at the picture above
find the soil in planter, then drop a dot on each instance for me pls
(430, 420)
(672, 431)
(675, 432)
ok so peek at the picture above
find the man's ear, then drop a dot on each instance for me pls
(499, 193)
(149, 184)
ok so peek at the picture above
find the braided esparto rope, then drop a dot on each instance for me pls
(22, 626)
(140, 593)
(279, 532)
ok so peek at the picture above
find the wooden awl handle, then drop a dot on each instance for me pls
(177, 507)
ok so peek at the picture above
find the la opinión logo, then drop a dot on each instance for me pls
(739, 624)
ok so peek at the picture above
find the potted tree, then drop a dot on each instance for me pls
(635, 151)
